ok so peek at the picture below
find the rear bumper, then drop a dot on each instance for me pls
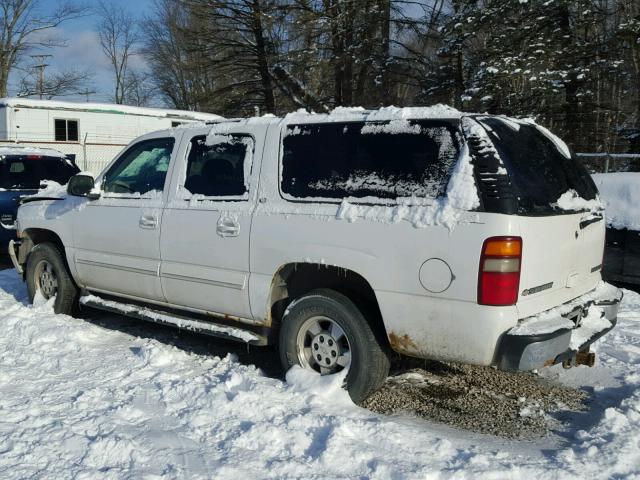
(535, 343)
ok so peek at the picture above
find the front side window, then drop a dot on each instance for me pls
(66, 130)
(385, 160)
(141, 169)
(219, 168)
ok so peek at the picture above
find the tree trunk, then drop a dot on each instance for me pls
(262, 57)
(385, 27)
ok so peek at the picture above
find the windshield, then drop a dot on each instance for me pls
(27, 172)
(538, 170)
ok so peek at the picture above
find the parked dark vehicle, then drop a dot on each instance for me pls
(23, 172)
(620, 193)
(622, 257)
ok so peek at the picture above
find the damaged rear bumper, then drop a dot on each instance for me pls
(537, 343)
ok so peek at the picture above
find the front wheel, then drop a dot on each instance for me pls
(47, 274)
(325, 332)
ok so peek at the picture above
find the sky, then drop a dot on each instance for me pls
(83, 49)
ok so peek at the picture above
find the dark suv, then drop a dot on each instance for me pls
(24, 171)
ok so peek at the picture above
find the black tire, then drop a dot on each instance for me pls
(67, 293)
(369, 365)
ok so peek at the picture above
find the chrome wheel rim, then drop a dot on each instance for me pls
(46, 279)
(323, 346)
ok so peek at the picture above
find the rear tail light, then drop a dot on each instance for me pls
(499, 275)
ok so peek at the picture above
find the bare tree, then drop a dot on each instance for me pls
(66, 82)
(139, 89)
(23, 28)
(119, 37)
(181, 77)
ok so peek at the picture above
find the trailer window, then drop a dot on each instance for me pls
(66, 130)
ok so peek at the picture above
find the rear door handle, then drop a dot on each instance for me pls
(227, 228)
(588, 221)
(148, 221)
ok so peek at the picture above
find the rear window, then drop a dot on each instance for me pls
(538, 170)
(28, 172)
(384, 160)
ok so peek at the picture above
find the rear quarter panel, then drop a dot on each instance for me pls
(446, 325)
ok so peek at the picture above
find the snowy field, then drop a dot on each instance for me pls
(84, 399)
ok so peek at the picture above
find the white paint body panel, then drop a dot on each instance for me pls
(203, 271)
(201, 268)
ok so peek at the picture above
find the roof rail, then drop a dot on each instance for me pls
(223, 120)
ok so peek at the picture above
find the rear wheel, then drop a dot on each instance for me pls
(324, 331)
(47, 274)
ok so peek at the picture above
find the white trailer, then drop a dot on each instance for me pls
(91, 134)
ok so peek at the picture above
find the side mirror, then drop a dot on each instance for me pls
(82, 186)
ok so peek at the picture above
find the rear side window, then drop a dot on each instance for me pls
(388, 160)
(29, 171)
(218, 169)
(539, 172)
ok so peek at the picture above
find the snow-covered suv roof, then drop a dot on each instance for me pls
(27, 150)
(342, 114)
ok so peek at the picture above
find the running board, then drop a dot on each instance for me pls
(199, 326)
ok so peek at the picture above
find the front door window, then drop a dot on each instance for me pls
(140, 170)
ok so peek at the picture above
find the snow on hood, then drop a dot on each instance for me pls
(620, 193)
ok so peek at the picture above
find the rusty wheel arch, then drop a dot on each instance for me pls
(294, 279)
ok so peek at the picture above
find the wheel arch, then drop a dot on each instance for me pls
(31, 237)
(295, 279)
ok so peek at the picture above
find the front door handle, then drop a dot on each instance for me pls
(228, 227)
(148, 221)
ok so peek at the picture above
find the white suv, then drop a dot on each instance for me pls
(341, 237)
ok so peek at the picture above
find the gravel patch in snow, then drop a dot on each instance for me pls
(480, 399)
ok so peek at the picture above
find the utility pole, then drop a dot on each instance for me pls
(40, 65)
(87, 92)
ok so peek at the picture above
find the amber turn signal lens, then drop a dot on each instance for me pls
(508, 247)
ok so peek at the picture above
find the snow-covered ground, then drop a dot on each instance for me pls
(80, 400)
(621, 195)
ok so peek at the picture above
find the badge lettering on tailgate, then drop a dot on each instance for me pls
(539, 288)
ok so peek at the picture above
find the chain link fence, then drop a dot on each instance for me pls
(610, 162)
(91, 153)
